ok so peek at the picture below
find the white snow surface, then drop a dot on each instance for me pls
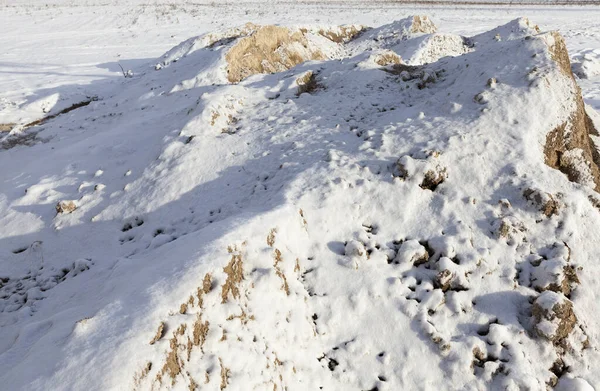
(319, 198)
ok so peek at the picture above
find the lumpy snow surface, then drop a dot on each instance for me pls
(389, 227)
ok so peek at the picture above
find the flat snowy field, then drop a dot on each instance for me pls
(380, 231)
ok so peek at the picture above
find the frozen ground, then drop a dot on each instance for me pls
(384, 230)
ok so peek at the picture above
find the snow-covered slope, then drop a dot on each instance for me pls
(382, 216)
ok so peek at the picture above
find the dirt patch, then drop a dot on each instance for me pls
(342, 34)
(65, 207)
(7, 127)
(269, 49)
(413, 71)
(433, 178)
(42, 121)
(306, 83)
(160, 332)
(545, 202)
(30, 138)
(574, 134)
(387, 58)
(443, 280)
(14, 140)
(553, 322)
(555, 275)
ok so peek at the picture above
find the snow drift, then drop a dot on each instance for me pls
(311, 208)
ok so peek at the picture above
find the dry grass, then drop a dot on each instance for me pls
(181, 340)
(207, 283)
(304, 222)
(243, 317)
(269, 49)
(235, 275)
(271, 237)
(224, 375)
(279, 259)
(206, 287)
(213, 118)
(172, 366)
(192, 386)
(139, 377)
(200, 331)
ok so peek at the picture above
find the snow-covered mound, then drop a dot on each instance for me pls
(586, 65)
(348, 209)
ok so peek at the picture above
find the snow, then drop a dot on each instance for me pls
(368, 234)
(570, 384)
(587, 64)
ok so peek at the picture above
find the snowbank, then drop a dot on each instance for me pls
(311, 208)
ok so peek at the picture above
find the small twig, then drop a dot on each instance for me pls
(122, 70)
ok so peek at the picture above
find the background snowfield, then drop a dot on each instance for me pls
(245, 236)
(46, 48)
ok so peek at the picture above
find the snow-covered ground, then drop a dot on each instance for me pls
(50, 54)
(349, 224)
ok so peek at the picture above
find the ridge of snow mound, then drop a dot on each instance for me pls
(389, 35)
(430, 48)
(190, 45)
(515, 29)
(252, 49)
(333, 225)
